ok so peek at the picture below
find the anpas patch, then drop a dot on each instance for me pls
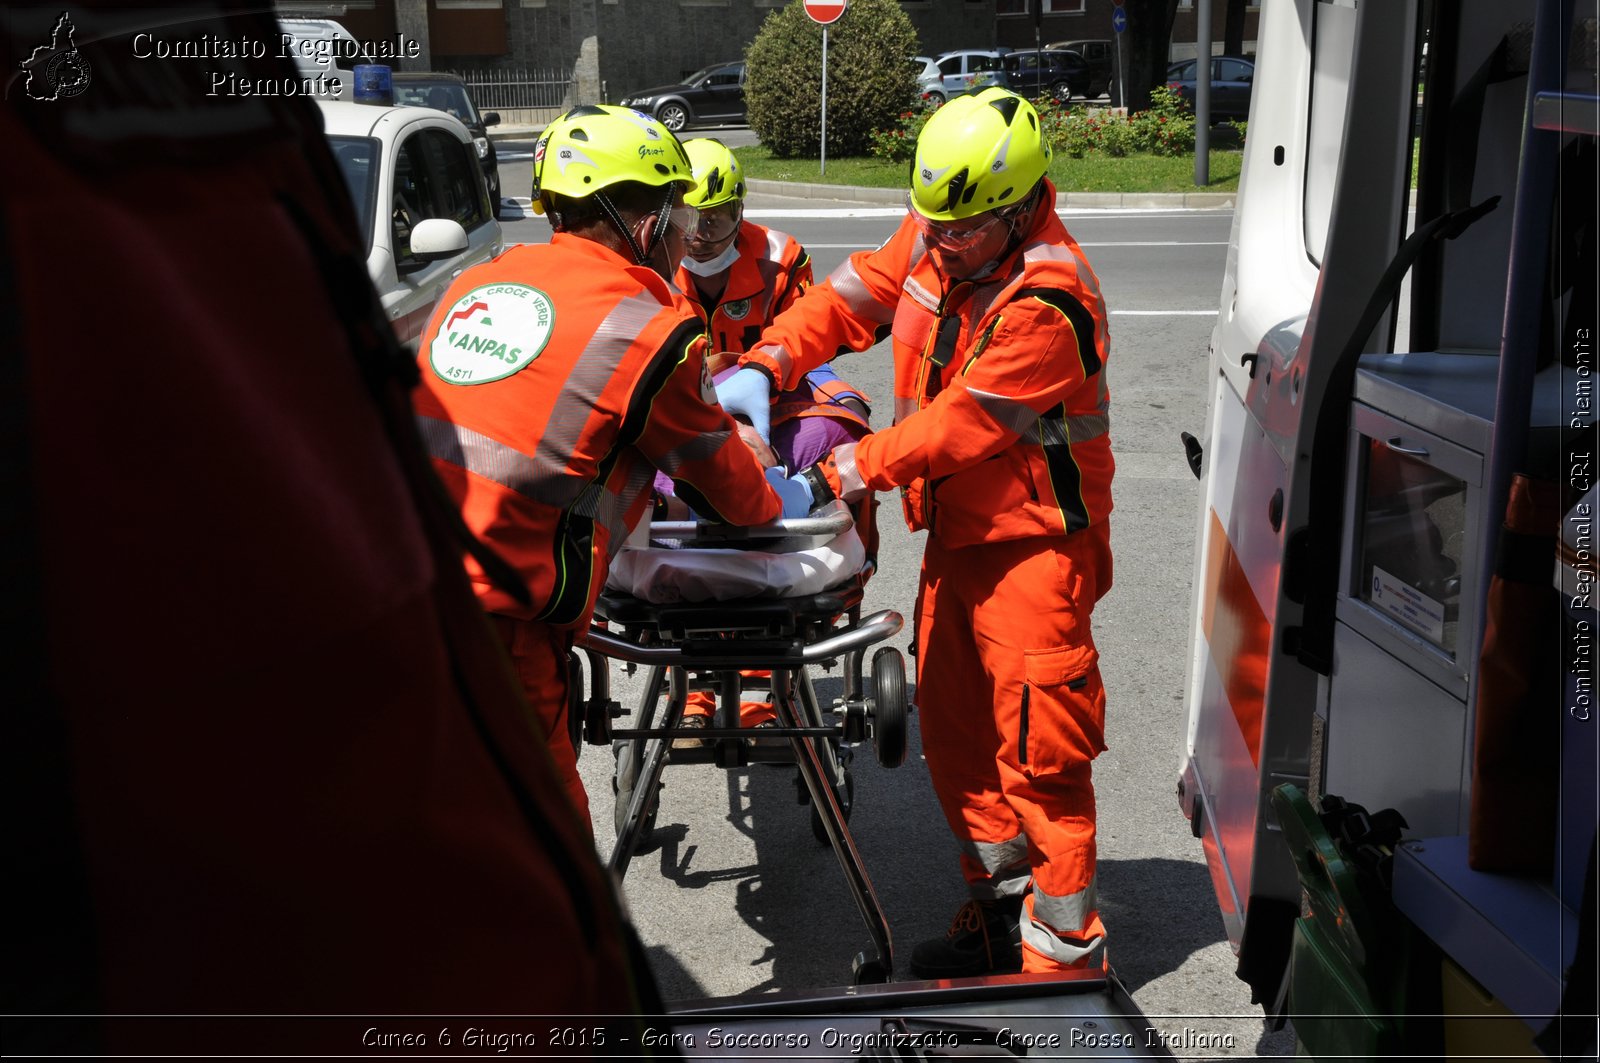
(492, 331)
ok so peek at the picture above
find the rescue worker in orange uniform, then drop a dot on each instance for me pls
(1001, 450)
(738, 276)
(557, 378)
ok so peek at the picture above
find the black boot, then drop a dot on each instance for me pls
(985, 937)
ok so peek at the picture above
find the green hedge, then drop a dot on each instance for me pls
(870, 78)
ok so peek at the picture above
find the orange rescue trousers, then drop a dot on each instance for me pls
(539, 655)
(1013, 712)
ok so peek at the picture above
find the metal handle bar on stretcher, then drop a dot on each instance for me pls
(835, 523)
(874, 628)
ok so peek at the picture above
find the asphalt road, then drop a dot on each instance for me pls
(740, 898)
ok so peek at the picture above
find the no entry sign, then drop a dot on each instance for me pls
(824, 12)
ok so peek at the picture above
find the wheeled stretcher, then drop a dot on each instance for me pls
(814, 619)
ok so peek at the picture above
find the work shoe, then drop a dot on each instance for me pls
(772, 741)
(691, 723)
(985, 937)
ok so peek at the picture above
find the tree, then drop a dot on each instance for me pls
(1233, 29)
(1146, 48)
(870, 79)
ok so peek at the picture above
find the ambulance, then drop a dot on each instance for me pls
(1391, 746)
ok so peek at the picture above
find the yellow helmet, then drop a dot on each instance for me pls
(592, 147)
(718, 179)
(978, 153)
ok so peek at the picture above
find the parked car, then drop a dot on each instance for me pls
(965, 71)
(1231, 78)
(1099, 56)
(1041, 73)
(713, 96)
(448, 93)
(926, 71)
(420, 198)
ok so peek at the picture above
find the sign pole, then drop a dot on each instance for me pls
(823, 13)
(823, 169)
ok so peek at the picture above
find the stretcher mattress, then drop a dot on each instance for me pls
(665, 575)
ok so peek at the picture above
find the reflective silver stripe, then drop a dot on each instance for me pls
(1087, 426)
(1010, 414)
(588, 503)
(1007, 865)
(779, 355)
(697, 449)
(1065, 914)
(904, 407)
(580, 394)
(776, 242)
(497, 462)
(1053, 916)
(850, 288)
(641, 478)
(1044, 251)
(921, 296)
(1066, 953)
(852, 486)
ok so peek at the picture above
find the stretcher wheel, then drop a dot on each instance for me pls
(846, 796)
(889, 707)
(623, 798)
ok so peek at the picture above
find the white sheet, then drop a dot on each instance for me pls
(665, 576)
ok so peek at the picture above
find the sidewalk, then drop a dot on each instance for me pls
(897, 196)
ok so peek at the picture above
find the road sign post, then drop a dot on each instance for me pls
(1119, 23)
(824, 13)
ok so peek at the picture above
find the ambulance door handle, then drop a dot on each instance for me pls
(1396, 445)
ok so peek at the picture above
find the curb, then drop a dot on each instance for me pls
(1064, 200)
(897, 197)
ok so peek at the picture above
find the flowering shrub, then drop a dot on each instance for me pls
(1167, 128)
(1164, 129)
(898, 143)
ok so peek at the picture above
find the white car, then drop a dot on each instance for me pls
(420, 197)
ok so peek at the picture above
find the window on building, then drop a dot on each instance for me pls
(1019, 8)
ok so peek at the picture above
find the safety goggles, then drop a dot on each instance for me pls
(959, 237)
(685, 219)
(718, 223)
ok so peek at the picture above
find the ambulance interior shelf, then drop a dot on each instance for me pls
(1409, 573)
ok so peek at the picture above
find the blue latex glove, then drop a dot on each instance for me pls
(749, 392)
(794, 491)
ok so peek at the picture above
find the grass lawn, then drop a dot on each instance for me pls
(1094, 173)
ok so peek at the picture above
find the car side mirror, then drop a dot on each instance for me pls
(490, 118)
(432, 240)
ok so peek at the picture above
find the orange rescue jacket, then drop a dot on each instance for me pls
(768, 276)
(1001, 408)
(555, 379)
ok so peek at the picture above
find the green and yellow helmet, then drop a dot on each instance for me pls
(590, 148)
(718, 178)
(978, 153)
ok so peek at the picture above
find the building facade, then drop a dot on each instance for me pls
(602, 50)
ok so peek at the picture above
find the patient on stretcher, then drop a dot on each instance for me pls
(807, 423)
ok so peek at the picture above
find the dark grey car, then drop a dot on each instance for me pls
(448, 93)
(713, 96)
(1231, 79)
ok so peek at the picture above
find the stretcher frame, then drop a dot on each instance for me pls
(784, 636)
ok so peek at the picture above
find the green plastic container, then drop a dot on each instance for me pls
(1359, 972)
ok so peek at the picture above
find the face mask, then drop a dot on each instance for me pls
(712, 267)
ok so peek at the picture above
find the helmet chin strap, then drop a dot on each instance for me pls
(641, 255)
